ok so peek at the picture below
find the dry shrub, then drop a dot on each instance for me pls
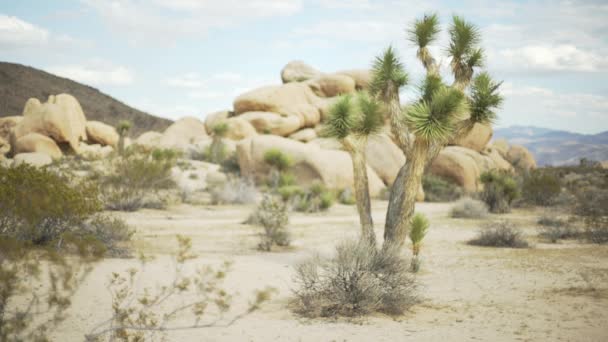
(500, 190)
(554, 229)
(500, 234)
(469, 208)
(541, 188)
(592, 206)
(357, 280)
(271, 214)
(235, 191)
(437, 189)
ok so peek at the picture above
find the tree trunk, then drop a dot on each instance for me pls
(403, 196)
(361, 185)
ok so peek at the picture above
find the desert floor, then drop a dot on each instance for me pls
(551, 292)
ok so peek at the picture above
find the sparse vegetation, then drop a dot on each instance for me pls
(359, 279)
(279, 163)
(592, 206)
(500, 190)
(235, 191)
(540, 188)
(555, 229)
(271, 214)
(313, 199)
(469, 208)
(420, 225)
(500, 234)
(437, 189)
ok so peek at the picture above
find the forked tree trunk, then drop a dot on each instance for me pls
(357, 153)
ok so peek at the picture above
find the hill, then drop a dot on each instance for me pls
(18, 83)
(554, 147)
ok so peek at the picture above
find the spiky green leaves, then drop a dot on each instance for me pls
(434, 119)
(362, 118)
(424, 31)
(388, 74)
(464, 50)
(484, 98)
(431, 84)
(419, 228)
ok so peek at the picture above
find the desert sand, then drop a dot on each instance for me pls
(551, 292)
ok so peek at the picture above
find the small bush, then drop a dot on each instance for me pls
(469, 208)
(347, 197)
(592, 206)
(540, 188)
(271, 214)
(419, 228)
(500, 234)
(289, 192)
(111, 232)
(286, 179)
(555, 229)
(314, 199)
(277, 159)
(235, 191)
(357, 280)
(437, 189)
(500, 190)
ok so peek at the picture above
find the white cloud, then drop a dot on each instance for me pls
(563, 57)
(345, 4)
(15, 32)
(259, 8)
(350, 30)
(190, 80)
(96, 72)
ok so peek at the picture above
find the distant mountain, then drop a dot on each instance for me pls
(18, 83)
(553, 147)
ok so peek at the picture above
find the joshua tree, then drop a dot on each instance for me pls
(441, 114)
(123, 128)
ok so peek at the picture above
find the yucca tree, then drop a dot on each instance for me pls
(442, 114)
(123, 128)
(420, 225)
(352, 122)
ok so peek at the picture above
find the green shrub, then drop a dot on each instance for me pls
(314, 199)
(110, 231)
(469, 208)
(277, 159)
(500, 234)
(38, 206)
(592, 206)
(555, 229)
(136, 179)
(289, 192)
(500, 190)
(437, 189)
(540, 188)
(419, 227)
(271, 214)
(357, 280)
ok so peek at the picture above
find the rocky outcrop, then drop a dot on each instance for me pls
(272, 123)
(149, 140)
(5, 147)
(333, 168)
(305, 135)
(214, 118)
(362, 77)
(239, 128)
(384, 157)
(182, 133)
(7, 125)
(39, 143)
(100, 133)
(298, 71)
(521, 158)
(477, 139)
(35, 159)
(332, 85)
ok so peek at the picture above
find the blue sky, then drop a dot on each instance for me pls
(192, 57)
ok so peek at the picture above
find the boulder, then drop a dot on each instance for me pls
(272, 123)
(7, 124)
(149, 140)
(326, 143)
(5, 147)
(477, 139)
(331, 85)
(333, 168)
(500, 162)
(95, 151)
(464, 166)
(101, 133)
(298, 71)
(291, 99)
(213, 119)
(35, 142)
(384, 157)
(304, 135)
(362, 77)
(501, 146)
(521, 158)
(216, 178)
(194, 178)
(239, 128)
(34, 158)
(197, 149)
(182, 133)
(60, 118)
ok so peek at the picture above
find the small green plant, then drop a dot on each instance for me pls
(271, 214)
(437, 189)
(500, 190)
(314, 199)
(279, 163)
(419, 227)
(500, 234)
(540, 188)
(469, 208)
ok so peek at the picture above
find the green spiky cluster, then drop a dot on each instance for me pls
(431, 84)
(387, 71)
(371, 117)
(363, 118)
(424, 31)
(463, 48)
(484, 97)
(420, 226)
(340, 119)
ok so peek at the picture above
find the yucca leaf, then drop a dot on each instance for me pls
(387, 71)
(340, 119)
(464, 38)
(371, 117)
(425, 30)
(484, 98)
(419, 227)
(431, 84)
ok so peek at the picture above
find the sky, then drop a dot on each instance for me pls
(174, 58)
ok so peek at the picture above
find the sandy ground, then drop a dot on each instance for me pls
(551, 292)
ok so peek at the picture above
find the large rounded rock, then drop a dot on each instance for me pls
(521, 158)
(384, 157)
(149, 140)
(239, 128)
(362, 77)
(292, 99)
(501, 146)
(7, 125)
(34, 158)
(101, 133)
(305, 135)
(272, 123)
(60, 118)
(35, 142)
(5, 147)
(477, 139)
(298, 71)
(214, 118)
(182, 133)
(333, 168)
(331, 85)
